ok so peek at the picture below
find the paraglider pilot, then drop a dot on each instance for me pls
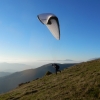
(56, 67)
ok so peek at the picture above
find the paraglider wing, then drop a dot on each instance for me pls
(52, 23)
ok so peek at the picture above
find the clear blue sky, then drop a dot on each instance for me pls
(24, 39)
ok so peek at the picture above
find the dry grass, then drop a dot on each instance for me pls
(80, 82)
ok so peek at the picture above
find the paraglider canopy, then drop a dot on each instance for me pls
(52, 23)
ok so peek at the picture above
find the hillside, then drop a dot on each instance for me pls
(80, 82)
(10, 82)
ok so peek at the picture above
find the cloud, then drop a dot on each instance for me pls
(57, 60)
(67, 60)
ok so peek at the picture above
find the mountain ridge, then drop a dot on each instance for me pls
(2, 74)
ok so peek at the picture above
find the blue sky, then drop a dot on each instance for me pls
(24, 39)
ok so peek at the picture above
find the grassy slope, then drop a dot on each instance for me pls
(80, 82)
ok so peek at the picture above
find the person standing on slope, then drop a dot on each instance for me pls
(56, 68)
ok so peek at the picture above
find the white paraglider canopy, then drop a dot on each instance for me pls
(52, 23)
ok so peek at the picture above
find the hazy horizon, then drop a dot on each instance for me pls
(31, 65)
(19, 66)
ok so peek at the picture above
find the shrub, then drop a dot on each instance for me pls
(48, 73)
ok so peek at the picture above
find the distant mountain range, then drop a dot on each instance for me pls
(13, 67)
(2, 74)
(11, 81)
